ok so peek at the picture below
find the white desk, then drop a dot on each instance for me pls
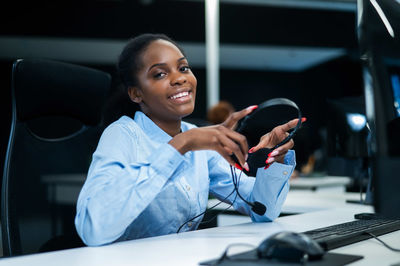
(194, 247)
(337, 183)
(297, 201)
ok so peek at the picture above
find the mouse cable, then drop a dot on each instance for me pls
(212, 218)
(225, 256)
(383, 243)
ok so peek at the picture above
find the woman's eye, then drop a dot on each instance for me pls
(185, 68)
(159, 75)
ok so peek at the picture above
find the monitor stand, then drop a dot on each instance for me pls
(368, 200)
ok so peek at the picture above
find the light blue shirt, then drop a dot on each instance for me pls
(140, 186)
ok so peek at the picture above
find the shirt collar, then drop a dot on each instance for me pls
(150, 128)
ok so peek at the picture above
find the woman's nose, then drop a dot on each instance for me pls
(178, 78)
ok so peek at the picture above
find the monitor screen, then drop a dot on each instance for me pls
(347, 130)
(386, 158)
(395, 80)
(378, 35)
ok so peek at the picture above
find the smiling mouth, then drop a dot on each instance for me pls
(180, 95)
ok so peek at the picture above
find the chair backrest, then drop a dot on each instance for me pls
(56, 124)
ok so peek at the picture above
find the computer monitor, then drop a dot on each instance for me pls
(347, 129)
(378, 27)
(346, 146)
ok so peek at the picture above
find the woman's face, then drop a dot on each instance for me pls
(167, 86)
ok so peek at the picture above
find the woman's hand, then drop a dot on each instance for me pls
(233, 119)
(221, 138)
(274, 137)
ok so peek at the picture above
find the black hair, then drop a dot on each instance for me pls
(129, 64)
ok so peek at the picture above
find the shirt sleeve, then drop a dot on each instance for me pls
(119, 186)
(270, 187)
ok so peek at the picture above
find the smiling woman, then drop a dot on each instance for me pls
(167, 87)
(152, 172)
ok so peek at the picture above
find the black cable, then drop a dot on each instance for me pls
(383, 243)
(225, 256)
(191, 219)
(234, 179)
(256, 206)
(222, 211)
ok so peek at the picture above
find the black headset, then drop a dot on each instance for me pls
(257, 159)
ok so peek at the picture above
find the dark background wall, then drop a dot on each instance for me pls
(240, 24)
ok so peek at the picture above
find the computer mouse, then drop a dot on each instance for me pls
(290, 246)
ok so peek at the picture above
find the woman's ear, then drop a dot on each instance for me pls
(135, 94)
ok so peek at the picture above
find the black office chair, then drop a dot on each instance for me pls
(56, 124)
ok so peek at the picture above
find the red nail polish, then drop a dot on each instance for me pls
(266, 167)
(238, 166)
(303, 119)
(251, 150)
(252, 107)
(266, 161)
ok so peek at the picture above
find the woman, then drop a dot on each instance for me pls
(152, 173)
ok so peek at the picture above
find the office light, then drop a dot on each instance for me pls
(356, 121)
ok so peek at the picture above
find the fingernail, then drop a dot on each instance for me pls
(251, 108)
(246, 166)
(303, 119)
(238, 166)
(273, 153)
(251, 150)
(270, 160)
(266, 167)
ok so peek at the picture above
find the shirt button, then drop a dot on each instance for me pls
(190, 224)
(285, 172)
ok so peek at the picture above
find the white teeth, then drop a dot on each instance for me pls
(179, 95)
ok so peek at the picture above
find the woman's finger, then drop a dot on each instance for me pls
(231, 121)
(240, 140)
(290, 125)
(223, 151)
(280, 153)
(236, 143)
(277, 134)
(266, 141)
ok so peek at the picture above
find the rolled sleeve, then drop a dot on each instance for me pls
(271, 187)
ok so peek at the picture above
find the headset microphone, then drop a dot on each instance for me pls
(258, 207)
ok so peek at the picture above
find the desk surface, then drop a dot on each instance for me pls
(193, 247)
(302, 201)
(314, 183)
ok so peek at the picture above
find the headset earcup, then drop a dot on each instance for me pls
(256, 160)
